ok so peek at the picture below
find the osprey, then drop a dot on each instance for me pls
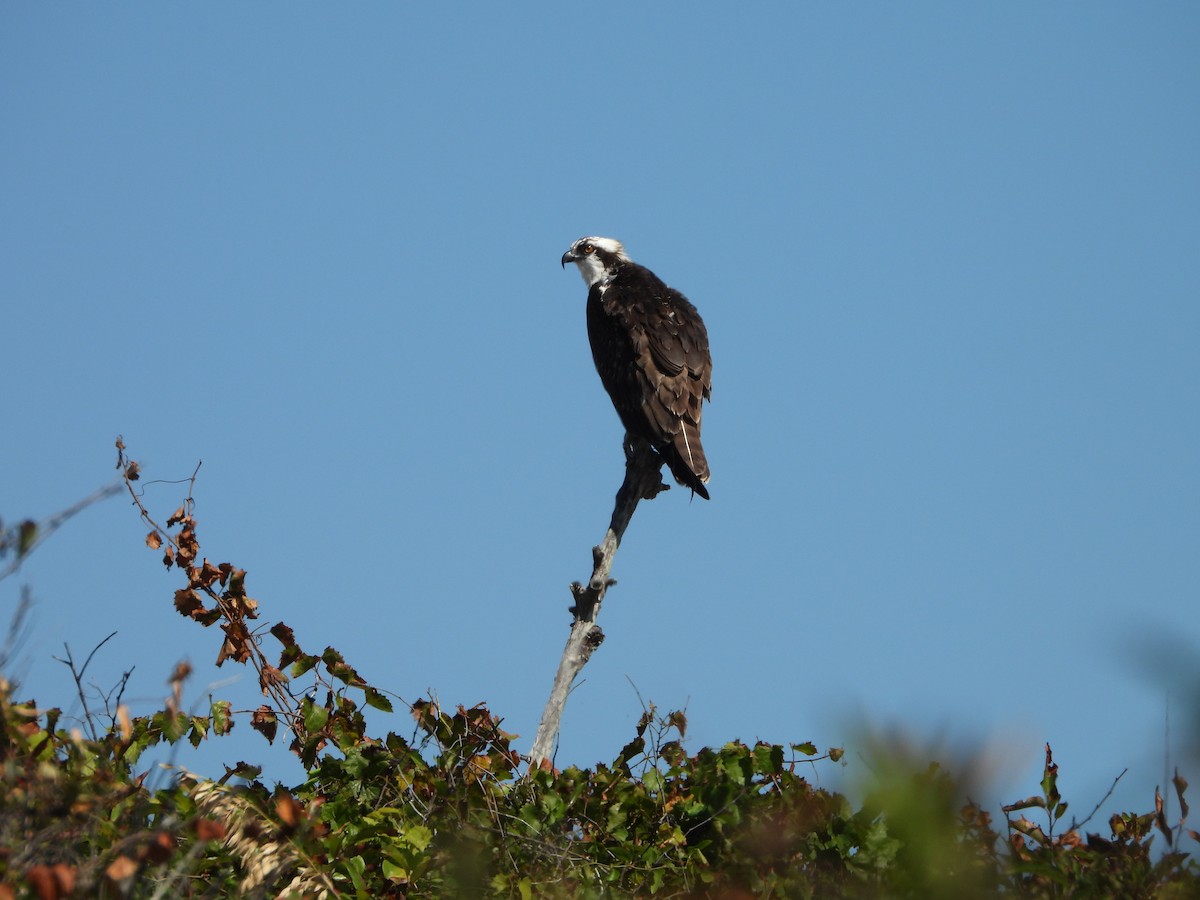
(651, 350)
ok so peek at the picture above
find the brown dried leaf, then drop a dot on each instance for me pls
(288, 810)
(284, 634)
(188, 603)
(177, 517)
(420, 711)
(121, 869)
(644, 722)
(1160, 817)
(187, 547)
(51, 882)
(183, 670)
(65, 876)
(1029, 829)
(679, 720)
(237, 643)
(1070, 839)
(1024, 804)
(237, 580)
(1180, 787)
(269, 677)
(204, 576)
(209, 830)
(153, 540)
(159, 850)
(265, 722)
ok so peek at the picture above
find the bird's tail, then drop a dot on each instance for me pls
(686, 460)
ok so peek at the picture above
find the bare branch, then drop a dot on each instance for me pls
(34, 533)
(1076, 825)
(643, 481)
(77, 674)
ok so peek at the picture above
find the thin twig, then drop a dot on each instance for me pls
(18, 630)
(111, 706)
(48, 526)
(78, 674)
(1075, 825)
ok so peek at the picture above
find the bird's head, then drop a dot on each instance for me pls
(597, 258)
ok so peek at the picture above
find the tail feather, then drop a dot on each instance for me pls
(685, 458)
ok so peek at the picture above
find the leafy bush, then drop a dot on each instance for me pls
(457, 812)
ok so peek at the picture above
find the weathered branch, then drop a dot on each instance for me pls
(643, 481)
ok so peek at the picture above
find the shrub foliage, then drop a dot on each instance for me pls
(455, 811)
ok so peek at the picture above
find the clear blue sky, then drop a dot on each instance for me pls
(949, 258)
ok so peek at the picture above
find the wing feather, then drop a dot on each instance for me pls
(651, 350)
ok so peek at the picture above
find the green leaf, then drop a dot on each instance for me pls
(532, 817)
(331, 657)
(302, 664)
(377, 700)
(733, 761)
(222, 721)
(418, 837)
(314, 716)
(768, 759)
(26, 536)
(289, 655)
(343, 672)
(173, 725)
(553, 807)
(355, 867)
(393, 872)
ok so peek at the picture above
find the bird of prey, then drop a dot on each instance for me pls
(651, 350)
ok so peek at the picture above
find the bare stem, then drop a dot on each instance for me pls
(77, 674)
(43, 529)
(643, 481)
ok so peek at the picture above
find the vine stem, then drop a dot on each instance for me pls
(285, 701)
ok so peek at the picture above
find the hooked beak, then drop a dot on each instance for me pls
(567, 257)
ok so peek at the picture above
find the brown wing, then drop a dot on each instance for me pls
(678, 367)
(659, 370)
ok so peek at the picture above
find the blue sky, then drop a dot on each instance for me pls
(947, 255)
